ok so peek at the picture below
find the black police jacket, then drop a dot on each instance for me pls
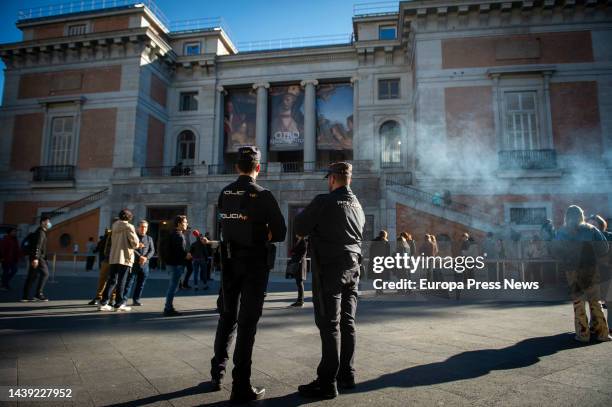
(334, 222)
(248, 212)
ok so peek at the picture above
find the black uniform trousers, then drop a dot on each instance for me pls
(240, 304)
(335, 304)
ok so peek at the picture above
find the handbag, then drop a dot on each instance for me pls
(292, 269)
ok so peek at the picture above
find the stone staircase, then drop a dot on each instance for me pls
(76, 208)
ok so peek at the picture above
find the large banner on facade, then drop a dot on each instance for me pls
(286, 118)
(335, 117)
(239, 119)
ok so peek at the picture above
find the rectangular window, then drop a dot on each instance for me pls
(77, 29)
(188, 101)
(521, 130)
(388, 89)
(387, 32)
(192, 48)
(528, 216)
(61, 142)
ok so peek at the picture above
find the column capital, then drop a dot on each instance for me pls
(309, 82)
(354, 79)
(258, 85)
(220, 88)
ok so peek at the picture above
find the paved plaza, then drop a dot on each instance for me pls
(412, 350)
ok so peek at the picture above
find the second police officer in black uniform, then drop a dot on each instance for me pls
(250, 218)
(334, 222)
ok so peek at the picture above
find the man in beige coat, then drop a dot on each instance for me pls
(123, 242)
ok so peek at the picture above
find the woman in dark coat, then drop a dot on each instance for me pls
(298, 256)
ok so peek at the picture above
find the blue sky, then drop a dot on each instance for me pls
(248, 20)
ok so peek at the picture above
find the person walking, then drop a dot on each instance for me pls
(37, 253)
(124, 241)
(250, 219)
(334, 223)
(140, 271)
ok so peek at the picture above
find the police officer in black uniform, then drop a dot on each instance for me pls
(334, 222)
(250, 219)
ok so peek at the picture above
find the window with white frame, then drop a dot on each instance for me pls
(61, 141)
(185, 151)
(77, 29)
(388, 88)
(391, 144)
(188, 101)
(191, 48)
(521, 124)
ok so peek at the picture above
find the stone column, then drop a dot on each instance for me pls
(310, 124)
(261, 122)
(218, 133)
(357, 148)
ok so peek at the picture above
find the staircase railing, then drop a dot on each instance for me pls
(77, 204)
(440, 199)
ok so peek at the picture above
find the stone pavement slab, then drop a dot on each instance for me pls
(417, 350)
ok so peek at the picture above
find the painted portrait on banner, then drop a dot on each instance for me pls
(239, 119)
(335, 116)
(286, 118)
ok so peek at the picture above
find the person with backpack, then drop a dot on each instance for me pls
(9, 256)
(36, 249)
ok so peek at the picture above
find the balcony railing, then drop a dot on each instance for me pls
(296, 42)
(528, 159)
(375, 8)
(168, 171)
(47, 173)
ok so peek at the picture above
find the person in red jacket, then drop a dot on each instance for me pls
(9, 255)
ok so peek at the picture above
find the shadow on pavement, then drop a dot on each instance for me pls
(465, 365)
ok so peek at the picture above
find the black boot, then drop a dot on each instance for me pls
(318, 390)
(244, 395)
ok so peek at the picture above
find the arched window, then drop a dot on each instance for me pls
(391, 143)
(185, 149)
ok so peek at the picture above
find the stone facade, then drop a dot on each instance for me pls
(458, 64)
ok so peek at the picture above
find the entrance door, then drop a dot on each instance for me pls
(161, 224)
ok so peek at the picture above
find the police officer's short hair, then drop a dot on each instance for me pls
(248, 158)
(342, 170)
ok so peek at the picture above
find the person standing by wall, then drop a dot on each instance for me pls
(200, 251)
(9, 256)
(91, 254)
(298, 258)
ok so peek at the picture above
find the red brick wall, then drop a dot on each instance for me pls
(419, 223)
(49, 31)
(26, 211)
(158, 90)
(114, 23)
(469, 116)
(555, 48)
(575, 118)
(155, 142)
(70, 82)
(27, 139)
(80, 228)
(97, 138)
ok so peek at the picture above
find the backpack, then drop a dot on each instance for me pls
(27, 244)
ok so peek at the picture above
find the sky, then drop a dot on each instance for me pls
(248, 20)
